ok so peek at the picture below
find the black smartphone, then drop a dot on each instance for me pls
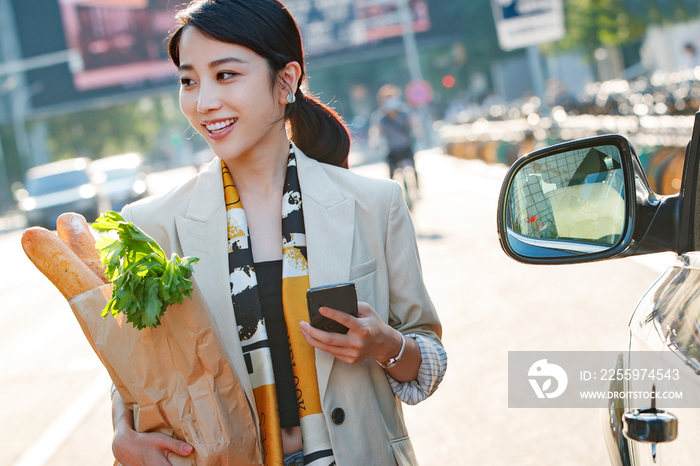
(341, 296)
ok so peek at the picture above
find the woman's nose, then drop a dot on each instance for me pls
(208, 99)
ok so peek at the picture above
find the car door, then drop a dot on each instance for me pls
(667, 321)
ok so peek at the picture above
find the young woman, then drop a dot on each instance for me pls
(278, 212)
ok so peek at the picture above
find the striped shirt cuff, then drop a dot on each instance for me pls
(430, 373)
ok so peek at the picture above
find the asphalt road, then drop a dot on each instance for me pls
(55, 407)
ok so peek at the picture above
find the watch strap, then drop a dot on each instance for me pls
(391, 362)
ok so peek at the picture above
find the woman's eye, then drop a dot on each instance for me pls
(223, 75)
(185, 82)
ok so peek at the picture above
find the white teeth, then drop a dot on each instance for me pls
(221, 124)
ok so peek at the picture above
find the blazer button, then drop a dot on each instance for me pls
(338, 416)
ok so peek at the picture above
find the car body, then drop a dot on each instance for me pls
(54, 188)
(121, 177)
(590, 200)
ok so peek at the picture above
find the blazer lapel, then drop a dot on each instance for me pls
(329, 226)
(329, 222)
(203, 233)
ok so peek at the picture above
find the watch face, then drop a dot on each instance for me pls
(391, 363)
(383, 365)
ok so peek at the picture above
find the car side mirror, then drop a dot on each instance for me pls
(582, 201)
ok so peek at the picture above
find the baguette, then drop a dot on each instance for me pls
(75, 232)
(58, 262)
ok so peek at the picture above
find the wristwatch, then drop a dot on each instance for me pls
(391, 362)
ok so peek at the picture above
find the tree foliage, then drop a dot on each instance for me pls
(130, 127)
(473, 22)
(591, 24)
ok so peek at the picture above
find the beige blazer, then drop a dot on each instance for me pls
(357, 229)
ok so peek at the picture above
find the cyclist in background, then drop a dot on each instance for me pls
(397, 129)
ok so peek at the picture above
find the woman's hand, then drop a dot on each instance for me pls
(368, 336)
(132, 448)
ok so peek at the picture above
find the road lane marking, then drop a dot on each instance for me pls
(63, 426)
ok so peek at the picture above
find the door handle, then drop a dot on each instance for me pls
(650, 425)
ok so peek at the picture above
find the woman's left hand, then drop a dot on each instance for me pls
(368, 337)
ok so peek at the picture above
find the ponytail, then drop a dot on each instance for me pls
(318, 130)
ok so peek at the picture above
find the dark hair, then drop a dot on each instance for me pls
(268, 29)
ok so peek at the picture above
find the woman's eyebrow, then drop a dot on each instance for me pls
(214, 64)
(221, 61)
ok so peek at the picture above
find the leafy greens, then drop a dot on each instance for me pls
(145, 281)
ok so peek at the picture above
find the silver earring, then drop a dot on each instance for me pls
(291, 98)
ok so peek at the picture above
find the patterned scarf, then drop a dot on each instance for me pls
(251, 325)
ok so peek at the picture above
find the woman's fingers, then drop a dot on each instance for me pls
(331, 338)
(327, 339)
(147, 449)
(352, 343)
(344, 353)
(361, 326)
(176, 446)
(365, 310)
(367, 337)
(308, 332)
(341, 317)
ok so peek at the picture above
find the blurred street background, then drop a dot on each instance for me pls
(89, 121)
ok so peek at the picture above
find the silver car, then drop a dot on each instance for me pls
(590, 200)
(54, 188)
(121, 177)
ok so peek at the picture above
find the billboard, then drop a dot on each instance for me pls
(123, 42)
(124, 49)
(333, 25)
(522, 23)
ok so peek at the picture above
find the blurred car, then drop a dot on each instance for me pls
(54, 188)
(590, 200)
(122, 178)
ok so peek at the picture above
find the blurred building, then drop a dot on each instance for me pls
(353, 47)
(122, 51)
(664, 47)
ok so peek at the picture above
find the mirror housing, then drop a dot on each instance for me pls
(650, 223)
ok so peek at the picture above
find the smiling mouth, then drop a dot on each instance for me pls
(218, 127)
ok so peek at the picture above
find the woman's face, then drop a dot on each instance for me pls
(226, 94)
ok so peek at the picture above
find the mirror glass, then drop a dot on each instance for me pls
(570, 203)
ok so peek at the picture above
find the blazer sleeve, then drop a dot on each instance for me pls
(410, 309)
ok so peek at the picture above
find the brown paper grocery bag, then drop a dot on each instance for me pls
(176, 377)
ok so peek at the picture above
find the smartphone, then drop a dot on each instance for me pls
(341, 296)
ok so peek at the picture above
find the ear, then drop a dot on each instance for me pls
(288, 77)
